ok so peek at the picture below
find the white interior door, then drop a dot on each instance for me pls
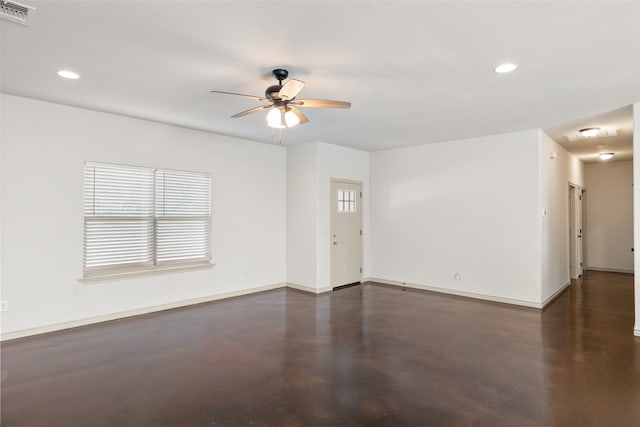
(576, 231)
(579, 232)
(346, 232)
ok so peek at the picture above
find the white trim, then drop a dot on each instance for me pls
(108, 275)
(135, 312)
(556, 294)
(308, 288)
(459, 293)
(346, 181)
(636, 332)
(610, 270)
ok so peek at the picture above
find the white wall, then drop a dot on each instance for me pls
(470, 207)
(609, 216)
(636, 207)
(1, 204)
(558, 169)
(302, 215)
(44, 146)
(310, 168)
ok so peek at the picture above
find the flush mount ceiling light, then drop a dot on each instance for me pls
(505, 68)
(589, 132)
(606, 156)
(67, 74)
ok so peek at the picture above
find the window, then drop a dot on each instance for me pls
(346, 201)
(144, 219)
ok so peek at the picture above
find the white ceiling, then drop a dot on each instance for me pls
(415, 72)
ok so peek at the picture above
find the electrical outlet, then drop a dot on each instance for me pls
(4, 305)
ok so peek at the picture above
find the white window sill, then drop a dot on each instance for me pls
(107, 275)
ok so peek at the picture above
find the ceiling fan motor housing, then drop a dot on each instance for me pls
(273, 92)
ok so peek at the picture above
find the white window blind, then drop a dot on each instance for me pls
(183, 213)
(142, 218)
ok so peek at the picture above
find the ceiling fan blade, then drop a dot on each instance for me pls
(303, 119)
(249, 111)
(320, 103)
(241, 94)
(290, 89)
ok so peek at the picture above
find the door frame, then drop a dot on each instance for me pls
(331, 224)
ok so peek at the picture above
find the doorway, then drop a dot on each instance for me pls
(576, 231)
(346, 232)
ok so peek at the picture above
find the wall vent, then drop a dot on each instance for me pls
(15, 12)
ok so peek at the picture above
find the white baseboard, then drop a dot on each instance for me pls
(556, 294)
(308, 288)
(636, 332)
(145, 310)
(610, 270)
(458, 293)
(184, 303)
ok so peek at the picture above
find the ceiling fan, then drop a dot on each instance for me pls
(282, 102)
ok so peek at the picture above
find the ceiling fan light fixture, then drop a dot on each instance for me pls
(606, 156)
(291, 119)
(274, 119)
(589, 132)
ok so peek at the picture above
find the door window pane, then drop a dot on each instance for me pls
(346, 201)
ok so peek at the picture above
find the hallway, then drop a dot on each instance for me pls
(369, 355)
(591, 358)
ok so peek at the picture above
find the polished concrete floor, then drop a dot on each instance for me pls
(368, 355)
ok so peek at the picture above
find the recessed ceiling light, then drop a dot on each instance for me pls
(606, 156)
(68, 74)
(590, 132)
(505, 68)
